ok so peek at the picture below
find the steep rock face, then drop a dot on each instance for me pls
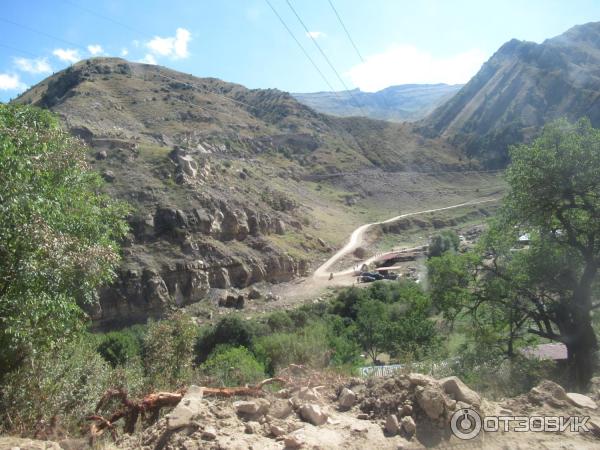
(156, 285)
(521, 87)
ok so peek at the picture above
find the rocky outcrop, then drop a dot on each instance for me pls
(223, 221)
(139, 294)
(520, 88)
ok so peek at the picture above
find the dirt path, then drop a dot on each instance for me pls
(356, 239)
(313, 286)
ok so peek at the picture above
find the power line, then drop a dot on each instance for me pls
(346, 30)
(102, 16)
(301, 46)
(309, 34)
(14, 49)
(42, 33)
(383, 97)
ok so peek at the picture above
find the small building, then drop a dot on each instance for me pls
(555, 351)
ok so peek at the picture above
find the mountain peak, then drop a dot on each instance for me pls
(521, 87)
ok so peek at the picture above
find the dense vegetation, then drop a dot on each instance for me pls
(534, 275)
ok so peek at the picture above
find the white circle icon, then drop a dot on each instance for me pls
(465, 424)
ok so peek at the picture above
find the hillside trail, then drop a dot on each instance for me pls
(312, 286)
(356, 239)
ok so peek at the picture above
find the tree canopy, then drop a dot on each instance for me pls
(58, 233)
(545, 287)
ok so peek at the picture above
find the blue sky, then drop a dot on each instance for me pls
(243, 41)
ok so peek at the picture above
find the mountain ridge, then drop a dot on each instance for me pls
(521, 87)
(406, 102)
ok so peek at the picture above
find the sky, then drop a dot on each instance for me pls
(243, 41)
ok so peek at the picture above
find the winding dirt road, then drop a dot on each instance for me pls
(356, 239)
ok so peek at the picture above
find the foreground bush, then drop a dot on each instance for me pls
(232, 366)
(168, 352)
(231, 330)
(118, 347)
(65, 383)
(309, 345)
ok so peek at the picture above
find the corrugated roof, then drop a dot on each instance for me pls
(556, 351)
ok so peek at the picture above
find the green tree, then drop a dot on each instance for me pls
(231, 330)
(555, 191)
(58, 233)
(545, 288)
(409, 329)
(443, 242)
(119, 347)
(372, 324)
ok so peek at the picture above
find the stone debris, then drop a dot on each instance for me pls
(582, 401)
(209, 433)
(276, 430)
(252, 427)
(432, 400)
(309, 394)
(312, 413)
(293, 441)
(12, 443)
(252, 407)
(392, 426)
(190, 405)
(347, 399)
(460, 391)
(419, 379)
(391, 412)
(408, 425)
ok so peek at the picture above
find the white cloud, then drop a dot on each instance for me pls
(404, 64)
(35, 66)
(95, 49)
(148, 59)
(174, 47)
(315, 34)
(124, 52)
(67, 55)
(11, 82)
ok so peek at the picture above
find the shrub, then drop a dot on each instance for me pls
(232, 366)
(64, 383)
(309, 346)
(280, 321)
(168, 351)
(347, 302)
(58, 233)
(118, 347)
(230, 330)
(441, 243)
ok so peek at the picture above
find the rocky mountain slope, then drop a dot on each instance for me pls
(228, 186)
(406, 102)
(521, 87)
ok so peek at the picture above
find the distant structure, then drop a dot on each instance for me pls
(556, 352)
